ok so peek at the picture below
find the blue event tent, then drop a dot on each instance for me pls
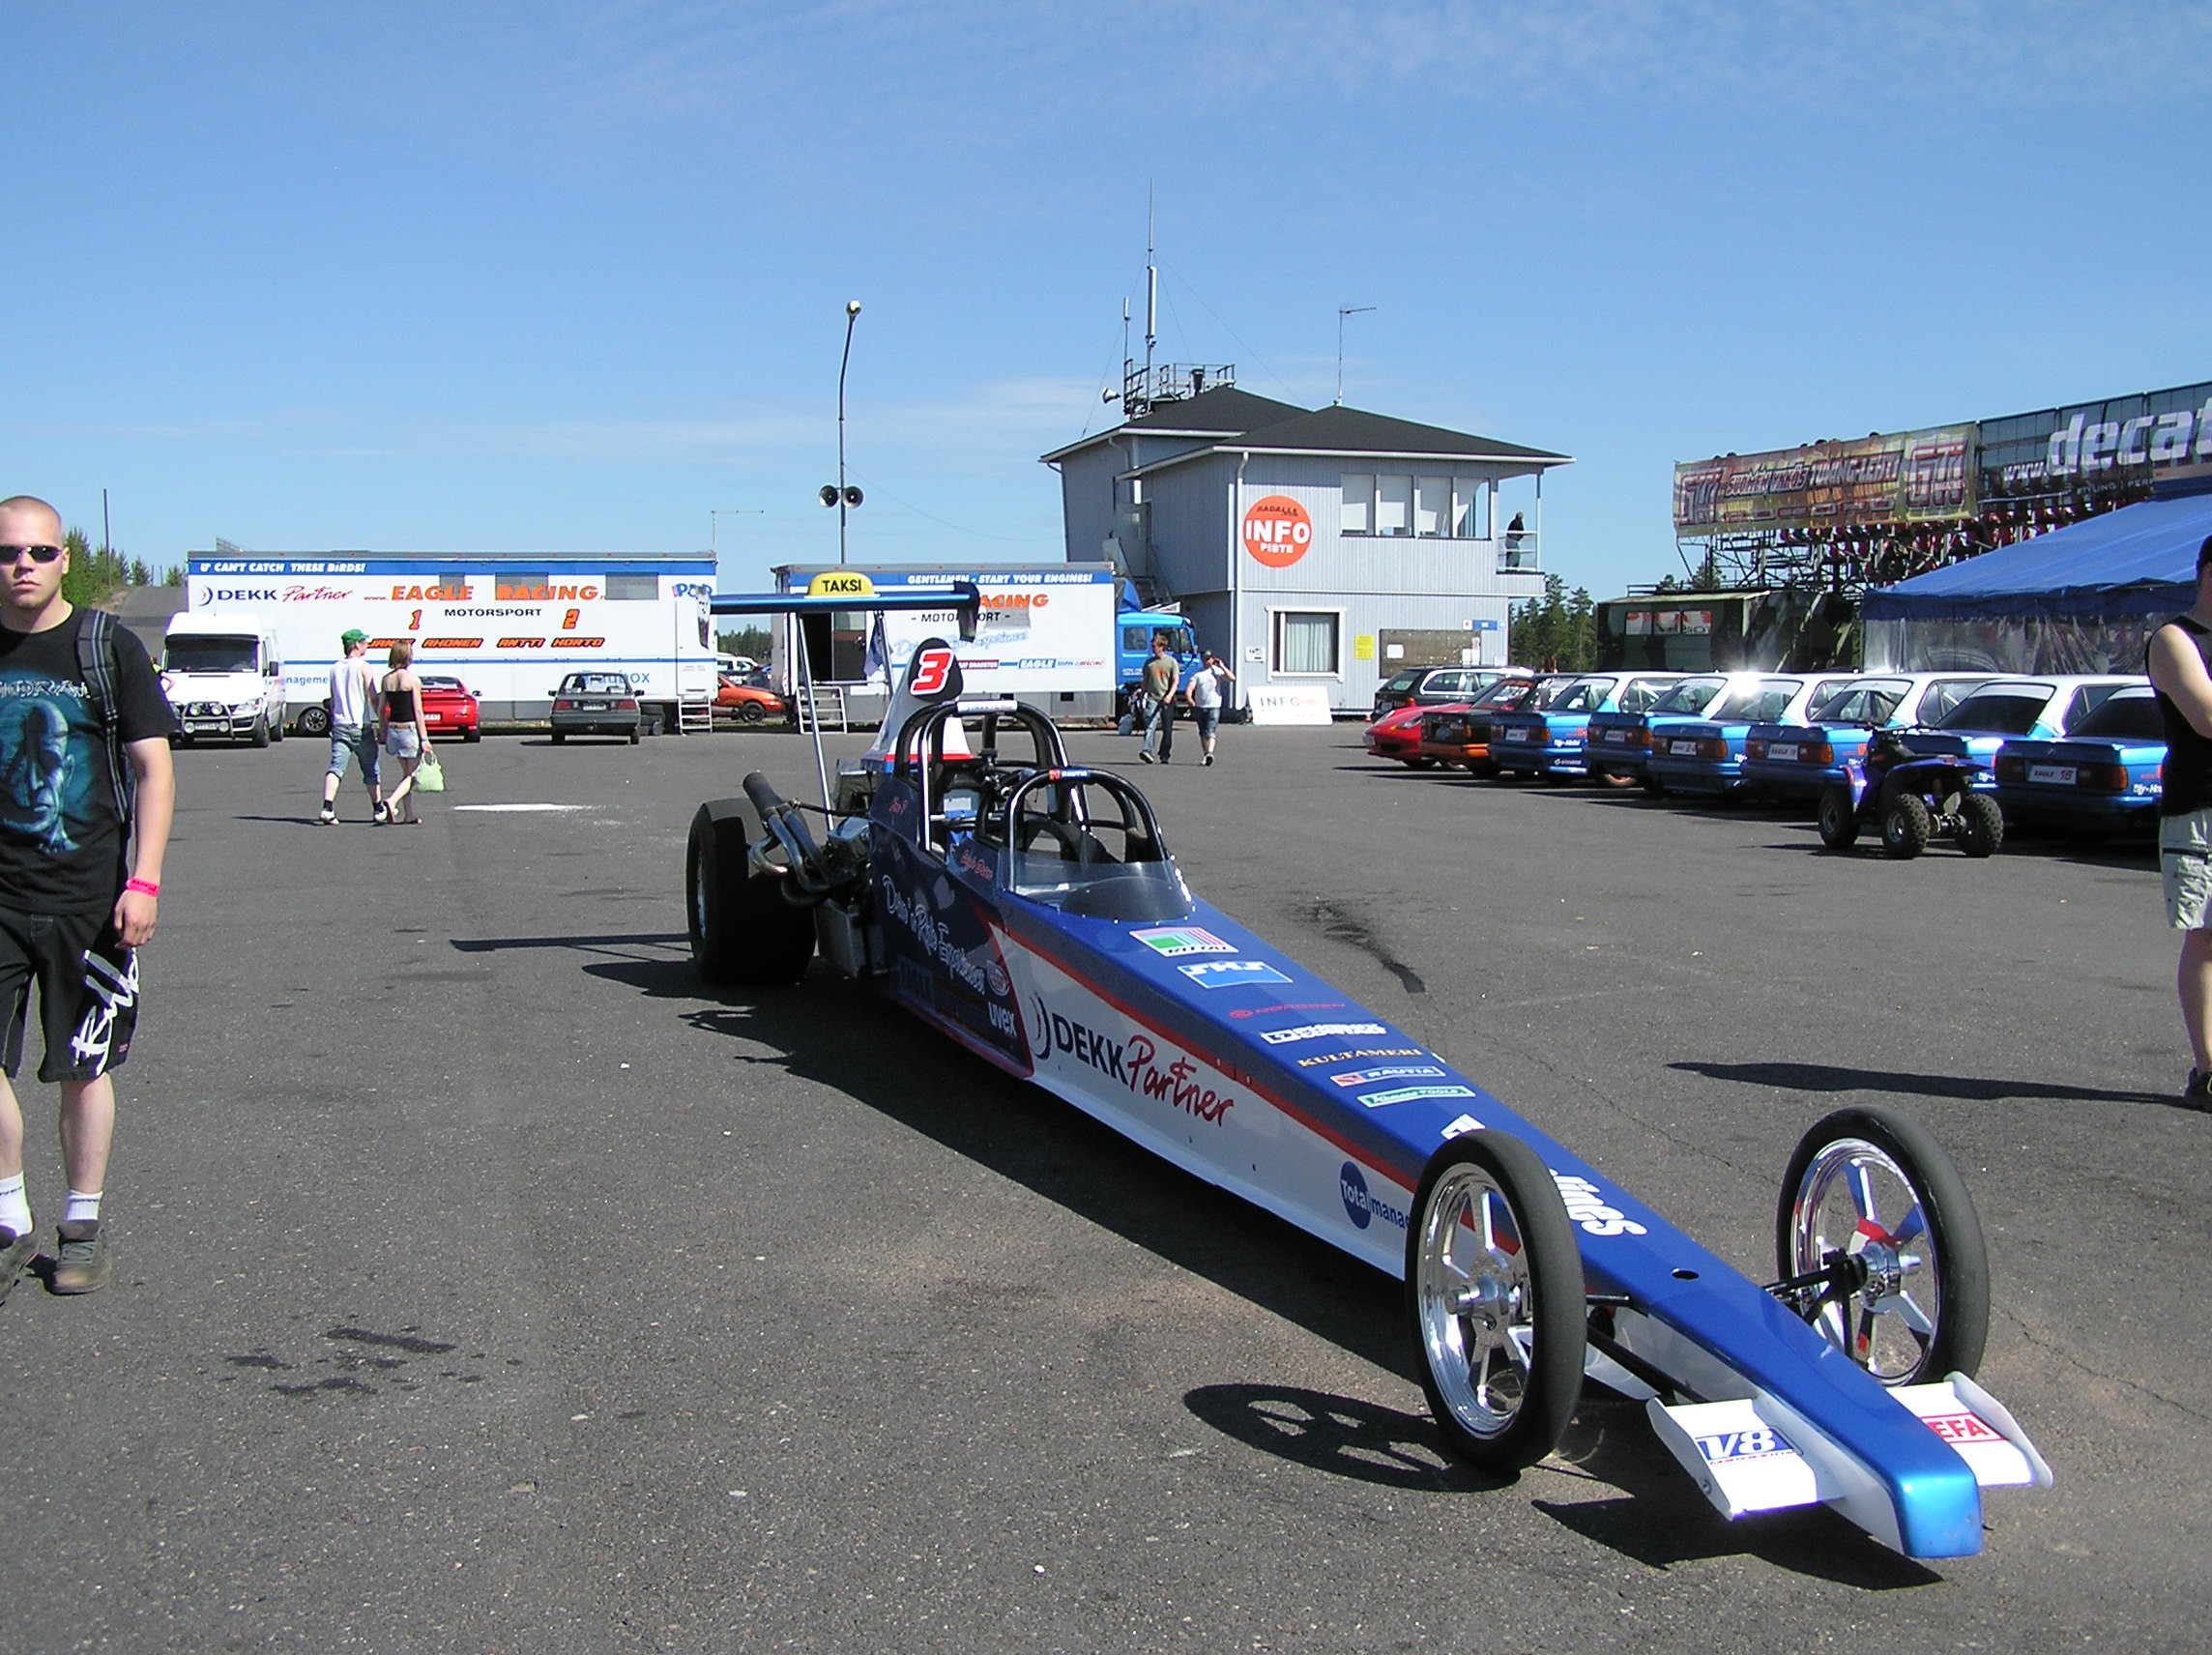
(2084, 598)
(2135, 561)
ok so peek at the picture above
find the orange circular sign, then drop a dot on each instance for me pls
(1277, 531)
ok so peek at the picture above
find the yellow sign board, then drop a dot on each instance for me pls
(1363, 646)
(841, 583)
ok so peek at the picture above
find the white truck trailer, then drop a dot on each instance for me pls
(509, 626)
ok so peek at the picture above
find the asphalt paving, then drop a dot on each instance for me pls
(486, 1283)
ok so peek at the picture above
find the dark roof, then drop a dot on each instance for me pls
(1222, 412)
(1342, 430)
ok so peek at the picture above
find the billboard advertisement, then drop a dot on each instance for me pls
(1041, 630)
(2128, 442)
(1901, 476)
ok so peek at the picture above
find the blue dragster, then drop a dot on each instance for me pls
(1029, 909)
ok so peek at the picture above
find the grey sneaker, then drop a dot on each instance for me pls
(81, 1262)
(15, 1252)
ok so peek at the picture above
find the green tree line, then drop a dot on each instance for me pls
(1555, 631)
(97, 573)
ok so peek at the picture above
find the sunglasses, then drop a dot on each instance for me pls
(39, 554)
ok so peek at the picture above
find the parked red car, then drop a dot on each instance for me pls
(748, 699)
(1397, 735)
(449, 707)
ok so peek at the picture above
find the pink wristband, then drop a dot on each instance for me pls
(144, 887)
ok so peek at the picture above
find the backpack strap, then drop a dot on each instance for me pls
(97, 665)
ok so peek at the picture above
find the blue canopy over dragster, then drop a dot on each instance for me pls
(1028, 908)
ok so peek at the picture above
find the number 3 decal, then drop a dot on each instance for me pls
(931, 668)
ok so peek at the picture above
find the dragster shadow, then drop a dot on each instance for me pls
(914, 1076)
(1830, 1078)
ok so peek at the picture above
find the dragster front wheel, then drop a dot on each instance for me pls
(1493, 1289)
(1871, 1198)
(742, 930)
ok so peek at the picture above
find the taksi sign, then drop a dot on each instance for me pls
(1277, 531)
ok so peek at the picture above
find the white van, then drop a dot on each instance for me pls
(225, 678)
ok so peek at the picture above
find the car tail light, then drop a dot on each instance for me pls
(1755, 747)
(1817, 753)
(1712, 747)
(2011, 766)
(628, 703)
(560, 706)
(1640, 738)
(2102, 778)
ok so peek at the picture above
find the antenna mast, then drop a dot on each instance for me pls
(1152, 292)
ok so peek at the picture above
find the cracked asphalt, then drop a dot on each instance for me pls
(485, 1284)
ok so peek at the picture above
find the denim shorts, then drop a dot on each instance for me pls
(355, 744)
(1209, 720)
(2185, 868)
(401, 741)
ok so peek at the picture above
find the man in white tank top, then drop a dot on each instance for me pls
(353, 726)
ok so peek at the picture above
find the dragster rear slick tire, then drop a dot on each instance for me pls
(1933, 1319)
(1499, 1330)
(742, 928)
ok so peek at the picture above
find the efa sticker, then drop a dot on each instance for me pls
(1231, 973)
(1173, 940)
(1960, 1427)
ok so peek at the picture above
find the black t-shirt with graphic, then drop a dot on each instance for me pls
(61, 847)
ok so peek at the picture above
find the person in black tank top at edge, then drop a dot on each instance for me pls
(405, 737)
(2180, 668)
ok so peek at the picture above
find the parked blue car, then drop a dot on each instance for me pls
(2106, 776)
(2039, 708)
(1802, 761)
(1618, 745)
(1553, 741)
(1706, 754)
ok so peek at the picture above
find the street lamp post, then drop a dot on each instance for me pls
(845, 496)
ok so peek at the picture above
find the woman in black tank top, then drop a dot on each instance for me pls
(2180, 665)
(399, 725)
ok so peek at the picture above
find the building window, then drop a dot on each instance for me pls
(1470, 509)
(1431, 506)
(1306, 642)
(633, 588)
(1394, 506)
(1358, 517)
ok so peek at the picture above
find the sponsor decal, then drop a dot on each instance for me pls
(1465, 1123)
(1173, 940)
(1588, 1209)
(1317, 1031)
(1360, 1204)
(1401, 1072)
(1231, 973)
(1290, 1005)
(505, 593)
(522, 643)
(1409, 1094)
(1961, 1427)
(1327, 1058)
(570, 642)
(431, 594)
(1136, 1062)
(453, 643)
(1760, 1442)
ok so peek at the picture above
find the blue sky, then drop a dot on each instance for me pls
(568, 276)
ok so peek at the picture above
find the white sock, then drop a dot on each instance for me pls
(15, 1206)
(81, 1206)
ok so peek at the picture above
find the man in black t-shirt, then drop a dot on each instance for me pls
(86, 793)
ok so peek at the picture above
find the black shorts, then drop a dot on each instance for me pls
(88, 992)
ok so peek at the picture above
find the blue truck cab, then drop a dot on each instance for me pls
(1134, 630)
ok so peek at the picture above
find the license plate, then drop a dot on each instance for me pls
(200, 726)
(1519, 735)
(2062, 775)
(1684, 749)
(1616, 738)
(1784, 751)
